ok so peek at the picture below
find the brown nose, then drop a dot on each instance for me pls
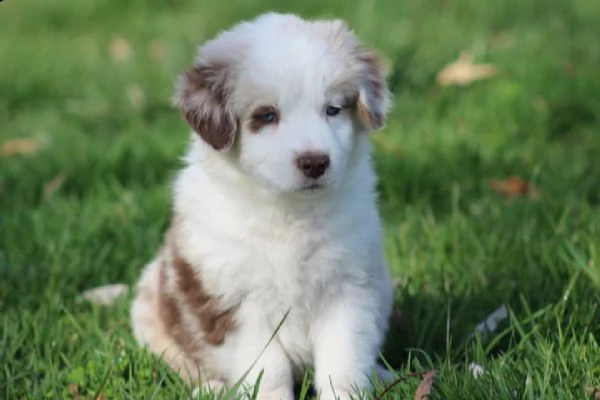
(313, 165)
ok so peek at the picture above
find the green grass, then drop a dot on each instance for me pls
(458, 249)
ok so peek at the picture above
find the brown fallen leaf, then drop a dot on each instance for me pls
(425, 386)
(51, 187)
(19, 146)
(401, 379)
(74, 390)
(105, 295)
(593, 393)
(119, 49)
(463, 71)
(514, 186)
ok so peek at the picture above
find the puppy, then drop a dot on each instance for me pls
(275, 226)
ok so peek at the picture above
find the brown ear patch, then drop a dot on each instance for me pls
(373, 97)
(202, 97)
(172, 317)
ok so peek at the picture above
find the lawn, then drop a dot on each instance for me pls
(89, 144)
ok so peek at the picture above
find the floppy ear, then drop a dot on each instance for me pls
(374, 97)
(203, 97)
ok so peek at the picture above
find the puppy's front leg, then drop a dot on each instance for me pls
(346, 344)
(250, 339)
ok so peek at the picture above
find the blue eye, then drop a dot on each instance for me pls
(268, 117)
(332, 111)
(264, 115)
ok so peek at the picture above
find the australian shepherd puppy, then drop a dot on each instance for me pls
(275, 225)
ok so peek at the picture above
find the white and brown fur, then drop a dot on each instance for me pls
(256, 231)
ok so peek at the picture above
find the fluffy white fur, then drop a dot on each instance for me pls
(263, 238)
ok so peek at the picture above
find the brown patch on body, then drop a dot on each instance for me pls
(172, 317)
(185, 296)
(215, 322)
(257, 119)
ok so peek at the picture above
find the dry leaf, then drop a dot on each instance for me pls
(490, 324)
(74, 390)
(593, 392)
(514, 186)
(19, 146)
(404, 378)
(51, 187)
(462, 71)
(424, 387)
(119, 49)
(105, 295)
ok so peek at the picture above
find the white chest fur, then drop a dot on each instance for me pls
(278, 259)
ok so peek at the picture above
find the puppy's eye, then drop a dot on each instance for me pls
(263, 116)
(332, 111)
(268, 117)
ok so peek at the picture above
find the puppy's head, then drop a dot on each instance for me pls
(288, 100)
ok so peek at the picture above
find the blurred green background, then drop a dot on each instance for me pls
(89, 143)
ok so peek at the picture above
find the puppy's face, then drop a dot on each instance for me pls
(287, 100)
